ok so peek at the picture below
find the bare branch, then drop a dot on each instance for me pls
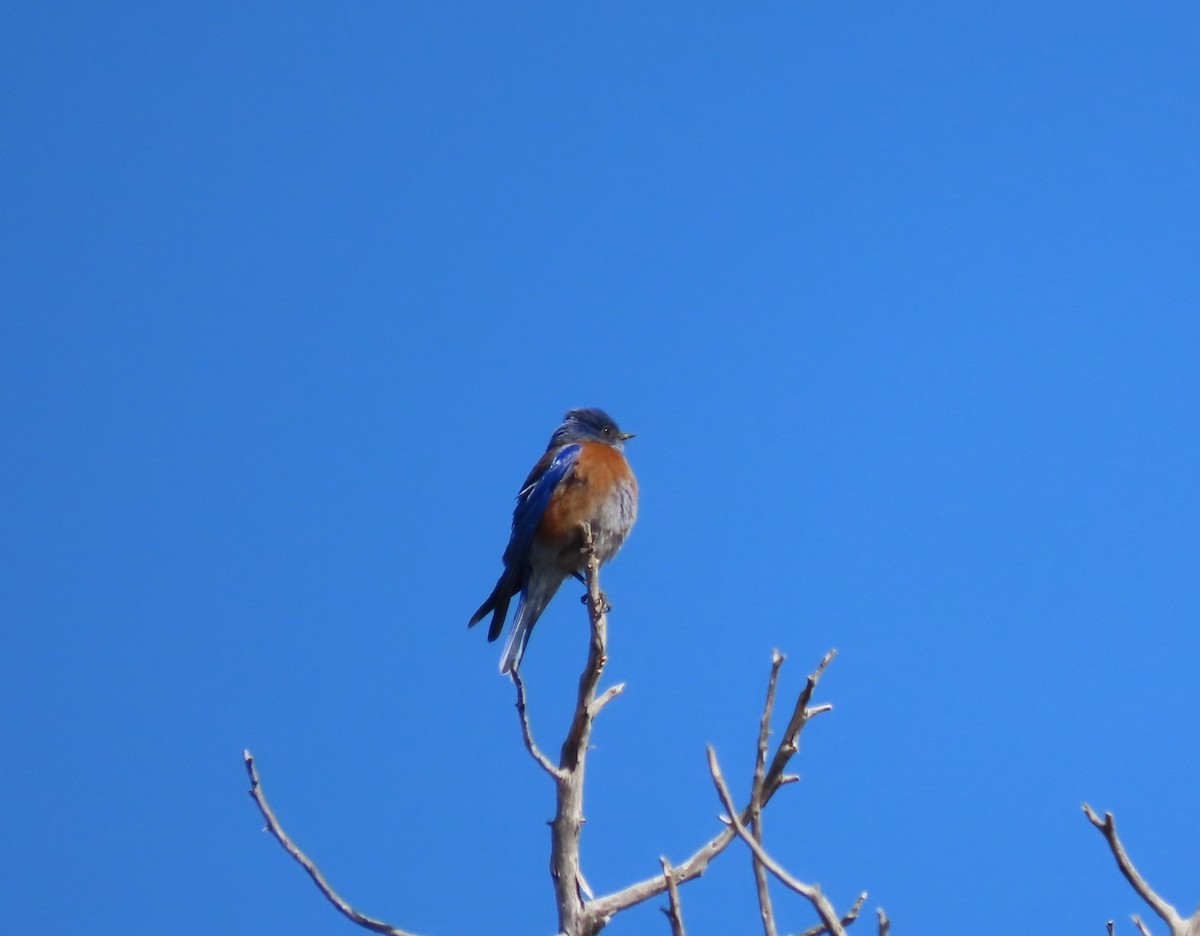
(674, 912)
(849, 918)
(885, 925)
(790, 743)
(1142, 928)
(1108, 828)
(574, 748)
(605, 697)
(273, 826)
(810, 892)
(530, 745)
(604, 908)
(766, 912)
(569, 885)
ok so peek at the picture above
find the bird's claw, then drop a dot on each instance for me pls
(605, 607)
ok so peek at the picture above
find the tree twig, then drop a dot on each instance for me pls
(1108, 828)
(1142, 928)
(530, 745)
(850, 917)
(885, 925)
(790, 743)
(605, 697)
(765, 910)
(674, 910)
(811, 892)
(273, 826)
(605, 908)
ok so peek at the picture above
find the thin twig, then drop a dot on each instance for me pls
(605, 908)
(674, 912)
(604, 698)
(766, 911)
(790, 743)
(1142, 928)
(1111, 926)
(885, 925)
(273, 826)
(849, 918)
(811, 892)
(1108, 828)
(530, 745)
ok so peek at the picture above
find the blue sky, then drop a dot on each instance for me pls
(901, 300)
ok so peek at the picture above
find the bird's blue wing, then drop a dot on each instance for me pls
(533, 500)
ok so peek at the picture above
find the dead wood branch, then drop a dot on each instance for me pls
(571, 890)
(1166, 912)
(674, 911)
(765, 910)
(605, 908)
(527, 733)
(811, 892)
(273, 826)
(850, 917)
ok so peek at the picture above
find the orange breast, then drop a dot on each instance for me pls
(598, 473)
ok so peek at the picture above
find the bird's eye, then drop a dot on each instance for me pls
(607, 430)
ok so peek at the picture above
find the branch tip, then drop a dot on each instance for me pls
(273, 826)
(1108, 828)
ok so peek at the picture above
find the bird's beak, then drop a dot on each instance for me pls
(626, 436)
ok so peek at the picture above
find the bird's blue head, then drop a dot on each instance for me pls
(589, 425)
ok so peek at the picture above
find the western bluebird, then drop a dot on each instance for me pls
(582, 478)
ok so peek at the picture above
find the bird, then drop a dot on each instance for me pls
(582, 478)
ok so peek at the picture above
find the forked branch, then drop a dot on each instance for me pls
(580, 914)
(570, 886)
(811, 892)
(1169, 915)
(604, 908)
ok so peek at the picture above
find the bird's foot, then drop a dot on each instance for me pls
(605, 607)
